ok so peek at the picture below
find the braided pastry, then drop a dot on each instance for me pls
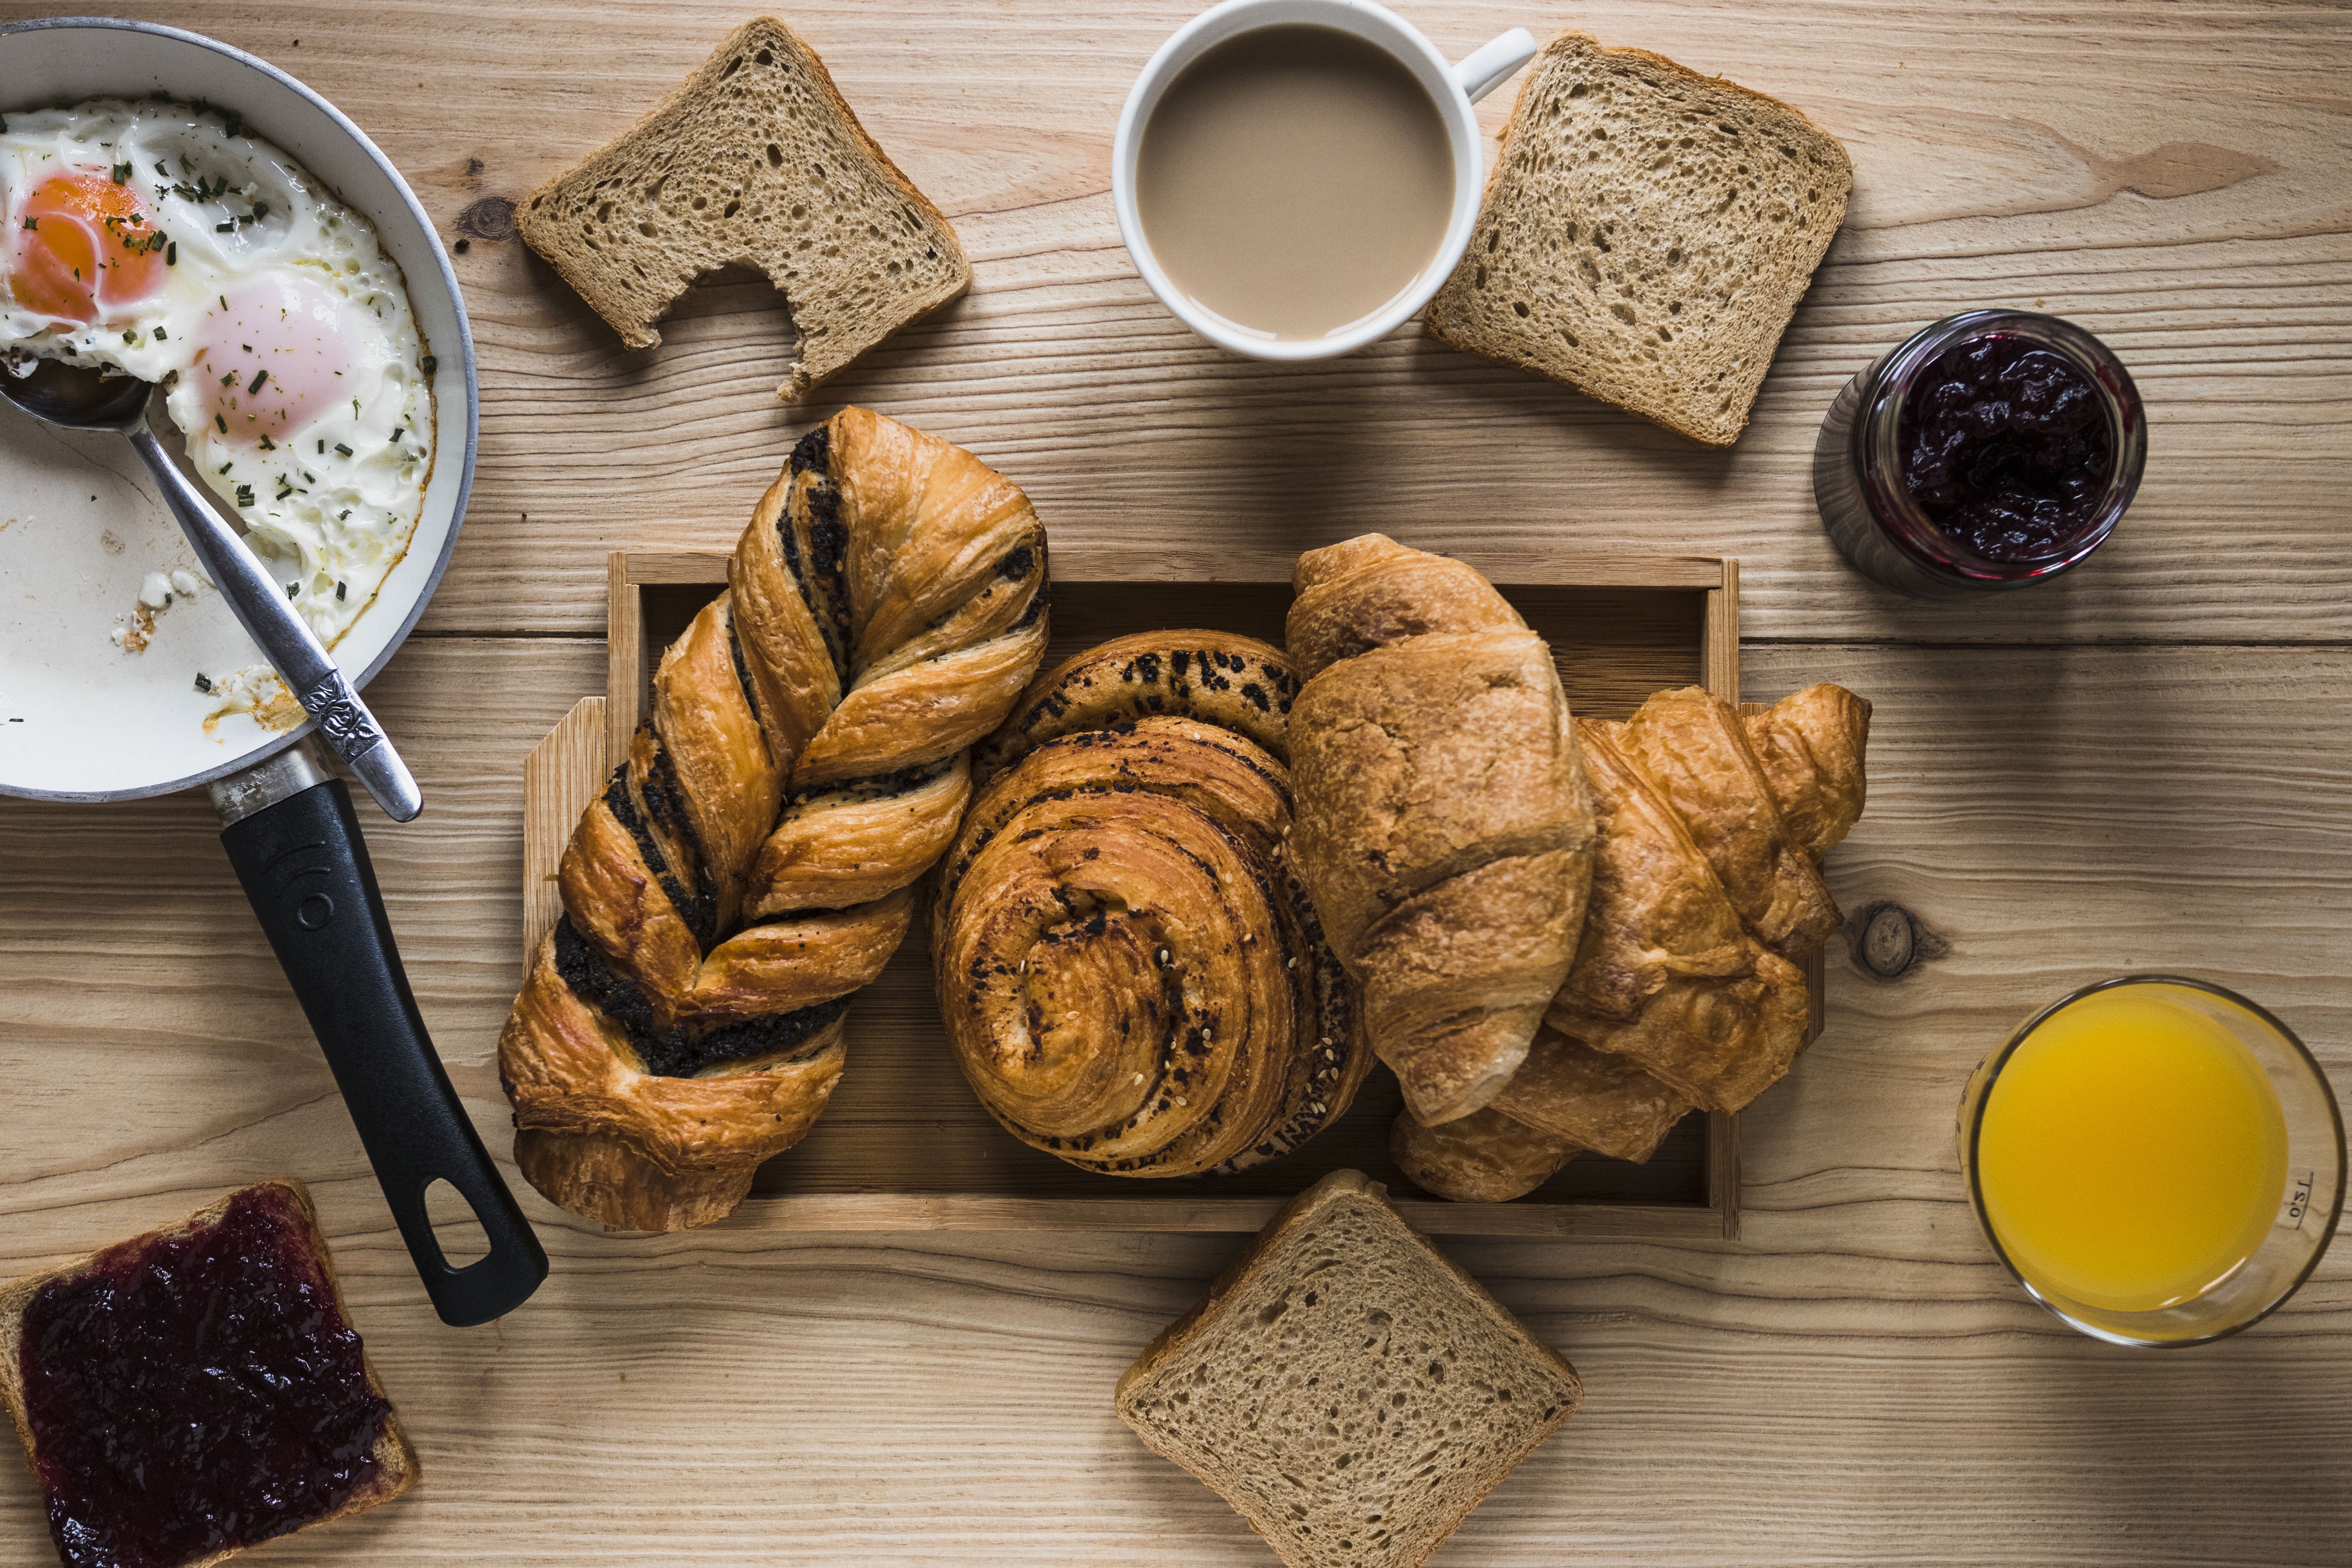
(1676, 999)
(1443, 821)
(750, 866)
(1130, 977)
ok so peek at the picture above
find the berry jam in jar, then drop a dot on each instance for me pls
(1995, 449)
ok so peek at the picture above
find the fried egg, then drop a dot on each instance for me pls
(160, 238)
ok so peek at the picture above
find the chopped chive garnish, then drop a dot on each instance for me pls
(203, 684)
(259, 377)
(121, 173)
(293, 590)
(338, 587)
(225, 229)
(322, 446)
(32, 223)
(172, 253)
(225, 467)
(161, 336)
(222, 422)
(346, 451)
(266, 444)
(245, 495)
(430, 365)
(229, 380)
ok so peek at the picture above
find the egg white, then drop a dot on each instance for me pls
(328, 507)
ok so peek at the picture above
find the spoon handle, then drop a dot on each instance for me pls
(286, 639)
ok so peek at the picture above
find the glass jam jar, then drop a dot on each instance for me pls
(1995, 449)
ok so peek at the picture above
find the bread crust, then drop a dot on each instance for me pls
(1338, 1188)
(1452, 320)
(397, 1466)
(700, 96)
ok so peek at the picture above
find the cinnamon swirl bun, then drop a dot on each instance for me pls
(1132, 976)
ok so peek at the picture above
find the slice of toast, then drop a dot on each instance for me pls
(191, 1486)
(1645, 236)
(1344, 1386)
(755, 161)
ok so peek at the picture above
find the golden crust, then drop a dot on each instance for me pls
(1458, 977)
(728, 774)
(1721, 1042)
(1673, 1004)
(1657, 910)
(1444, 821)
(1692, 748)
(1344, 609)
(1485, 1157)
(1813, 746)
(885, 609)
(1600, 1099)
(1131, 979)
(1234, 682)
(844, 847)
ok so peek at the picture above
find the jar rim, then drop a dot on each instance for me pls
(1878, 453)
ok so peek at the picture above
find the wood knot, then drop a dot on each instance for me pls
(1888, 941)
(491, 218)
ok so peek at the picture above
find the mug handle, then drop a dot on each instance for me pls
(1491, 64)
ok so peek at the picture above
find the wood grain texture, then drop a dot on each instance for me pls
(2171, 178)
(1853, 1380)
(2144, 766)
(560, 778)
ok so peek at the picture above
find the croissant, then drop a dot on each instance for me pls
(751, 866)
(1443, 824)
(1675, 1000)
(1132, 978)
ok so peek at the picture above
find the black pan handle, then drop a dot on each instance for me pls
(306, 869)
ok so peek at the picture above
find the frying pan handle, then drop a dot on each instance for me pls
(306, 869)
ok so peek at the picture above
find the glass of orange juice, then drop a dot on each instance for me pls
(2157, 1160)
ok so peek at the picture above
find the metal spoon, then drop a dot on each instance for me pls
(81, 397)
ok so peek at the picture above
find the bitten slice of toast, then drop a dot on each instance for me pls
(755, 161)
(1346, 1387)
(200, 1494)
(1645, 236)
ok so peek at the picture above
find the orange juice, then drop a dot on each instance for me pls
(2132, 1154)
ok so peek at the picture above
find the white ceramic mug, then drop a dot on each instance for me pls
(1453, 87)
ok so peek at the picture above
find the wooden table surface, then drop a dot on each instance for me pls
(2145, 765)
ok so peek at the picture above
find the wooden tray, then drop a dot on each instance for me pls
(905, 1145)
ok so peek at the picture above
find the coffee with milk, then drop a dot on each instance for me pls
(1294, 180)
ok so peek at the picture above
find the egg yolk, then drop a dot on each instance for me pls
(85, 246)
(271, 356)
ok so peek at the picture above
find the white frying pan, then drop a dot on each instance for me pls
(84, 720)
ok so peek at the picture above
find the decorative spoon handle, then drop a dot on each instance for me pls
(286, 639)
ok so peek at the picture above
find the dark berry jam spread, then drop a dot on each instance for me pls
(2005, 447)
(195, 1393)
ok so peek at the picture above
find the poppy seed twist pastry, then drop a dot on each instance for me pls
(751, 865)
(1131, 977)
